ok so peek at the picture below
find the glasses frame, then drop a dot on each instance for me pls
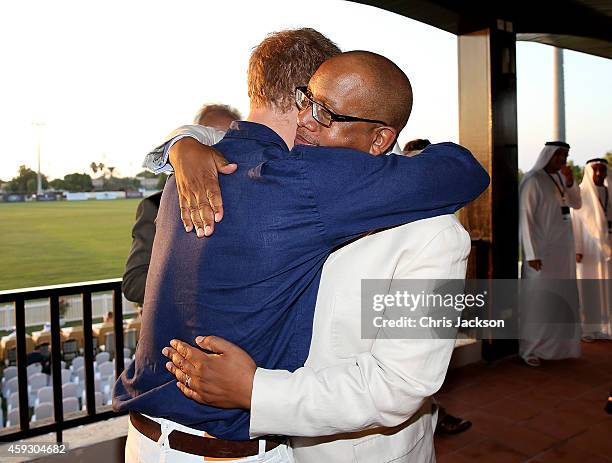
(334, 117)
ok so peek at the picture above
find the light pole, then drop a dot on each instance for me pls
(558, 96)
(39, 126)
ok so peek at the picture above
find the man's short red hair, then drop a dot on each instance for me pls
(283, 61)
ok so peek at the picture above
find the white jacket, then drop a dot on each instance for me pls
(369, 396)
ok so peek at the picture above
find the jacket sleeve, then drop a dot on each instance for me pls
(137, 265)
(356, 192)
(383, 387)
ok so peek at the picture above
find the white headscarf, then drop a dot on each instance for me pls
(592, 214)
(543, 159)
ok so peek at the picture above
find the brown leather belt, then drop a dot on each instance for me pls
(199, 445)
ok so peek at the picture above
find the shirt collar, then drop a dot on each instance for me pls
(255, 131)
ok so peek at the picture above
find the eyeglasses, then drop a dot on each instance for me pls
(325, 117)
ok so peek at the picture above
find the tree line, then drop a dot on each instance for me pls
(25, 182)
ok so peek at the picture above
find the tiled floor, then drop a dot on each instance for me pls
(539, 415)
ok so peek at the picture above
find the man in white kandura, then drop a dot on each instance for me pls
(593, 234)
(547, 192)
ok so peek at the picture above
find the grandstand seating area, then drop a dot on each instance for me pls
(40, 390)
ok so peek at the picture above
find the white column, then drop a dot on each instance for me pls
(558, 96)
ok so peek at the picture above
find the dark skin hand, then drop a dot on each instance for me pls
(568, 174)
(535, 264)
(196, 168)
(222, 378)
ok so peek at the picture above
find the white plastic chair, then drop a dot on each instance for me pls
(102, 357)
(8, 373)
(107, 377)
(34, 368)
(38, 380)
(98, 387)
(45, 394)
(66, 376)
(13, 418)
(99, 398)
(35, 382)
(70, 390)
(127, 352)
(126, 362)
(79, 379)
(77, 363)
(43, 411)
(70, 405)
(105, 370)
(12, 401)
(10, 386)
(79, 376)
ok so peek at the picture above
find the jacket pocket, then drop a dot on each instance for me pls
(413, 443)
(346, 327)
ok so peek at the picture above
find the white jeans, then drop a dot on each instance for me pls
(141, 449)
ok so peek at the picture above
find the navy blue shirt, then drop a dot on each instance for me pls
(255, 281)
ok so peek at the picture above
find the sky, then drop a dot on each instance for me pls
(109, 79)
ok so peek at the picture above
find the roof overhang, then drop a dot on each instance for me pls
(580, 25)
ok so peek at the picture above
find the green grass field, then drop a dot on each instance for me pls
(49, 243)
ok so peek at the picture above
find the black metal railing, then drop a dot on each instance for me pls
(54, 293)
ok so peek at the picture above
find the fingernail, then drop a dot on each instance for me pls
(165, 351)
(207, 230)
(200, 232)
(173, 343)
(188, 228)
(217, 217)
(169, 365)
(200, 339)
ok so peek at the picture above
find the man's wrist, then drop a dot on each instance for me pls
(248, 396)
(177, 148)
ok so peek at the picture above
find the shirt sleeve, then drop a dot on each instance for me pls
(574, 199)
(356, 192)
(157, 160)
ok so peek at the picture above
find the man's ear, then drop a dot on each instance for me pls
(384, 138)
